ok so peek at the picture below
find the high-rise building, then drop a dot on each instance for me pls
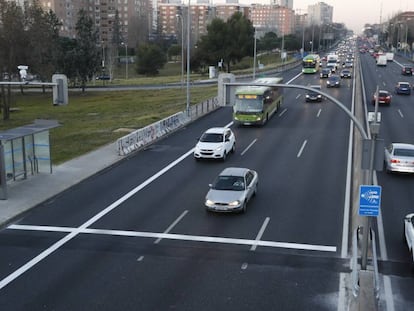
(286, 3)
(134, 17)
(320, 14)
(278, 19)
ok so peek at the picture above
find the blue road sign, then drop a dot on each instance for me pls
(369, 200)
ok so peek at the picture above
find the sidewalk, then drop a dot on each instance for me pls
(24, 194)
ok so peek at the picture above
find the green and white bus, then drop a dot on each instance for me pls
(310, 63)
(256, 104)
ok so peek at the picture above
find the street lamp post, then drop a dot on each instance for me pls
(188, 58)
(254, 56)
(182, 48)
(406, 36)
(126, 59)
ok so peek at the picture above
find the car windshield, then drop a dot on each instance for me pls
(235, 183)
(382, 94)
(404, 85)
(211, 138)
(404, 152)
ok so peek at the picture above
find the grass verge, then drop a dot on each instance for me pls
(94, 119)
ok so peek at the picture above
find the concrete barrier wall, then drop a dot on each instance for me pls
(146, 135)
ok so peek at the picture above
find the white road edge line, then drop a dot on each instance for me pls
(11, 277)
(248, 147)
(260, 233)
(401, 114)
(301, 149)
(181, 237)
(172, 225)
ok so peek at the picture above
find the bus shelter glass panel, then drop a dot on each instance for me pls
(18, 158)
(42, 151)
(8, 159)
(29, 152)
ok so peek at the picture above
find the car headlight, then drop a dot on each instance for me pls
(219, 148)
(234, 203)
(209, 202)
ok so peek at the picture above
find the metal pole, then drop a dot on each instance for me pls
(406, 37)
(367, 221)
(188, 58)
(182, 49)
(254, 56)
(303, 39)
(313, 34)
(126, 61)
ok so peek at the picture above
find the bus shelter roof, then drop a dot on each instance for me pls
(37, 126)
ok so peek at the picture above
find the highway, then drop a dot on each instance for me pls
(137, 236)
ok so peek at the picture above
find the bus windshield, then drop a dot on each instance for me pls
(248, 105)
(309, 64)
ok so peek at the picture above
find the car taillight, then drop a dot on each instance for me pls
(395, 161)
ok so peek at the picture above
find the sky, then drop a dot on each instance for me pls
(354, 13)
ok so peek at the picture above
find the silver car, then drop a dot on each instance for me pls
(399, 157)
(232, 189)
(409, 233)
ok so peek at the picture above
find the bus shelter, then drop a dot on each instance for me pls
(24, 151)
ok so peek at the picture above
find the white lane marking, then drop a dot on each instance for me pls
(11, 277)
(389, 300)
(141, 258)
(173, 225)
(260, 234)
(282, 112)
(401, 114)
(298, 96)
(301, 149)
(182, 237)
(319, 113)
(348, 182)
(380, 226)
(244, 266)
(248, 147)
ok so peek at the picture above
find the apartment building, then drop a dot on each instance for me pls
(320, 14)
(134, 17)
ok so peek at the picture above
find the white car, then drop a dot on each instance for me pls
(409, 233)
(215, 143)
(399, 157)
(231, 190)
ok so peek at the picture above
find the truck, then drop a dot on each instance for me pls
(390, 56)
(382, 60)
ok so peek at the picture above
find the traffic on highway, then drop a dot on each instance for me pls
(150, 232)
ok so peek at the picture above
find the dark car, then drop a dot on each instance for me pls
(346, 74)
(325, 73)
(407, 70)
(384, 97)
(333, 81)
(312, 96)
(403, 88)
